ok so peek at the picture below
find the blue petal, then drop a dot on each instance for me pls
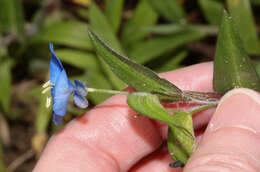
(81, 88)
(72, 85)
(80, 101)
(55, 66)
(61, 94)
(57, 119)
(62, 84)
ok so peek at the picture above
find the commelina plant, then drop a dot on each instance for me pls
(151, 90)
(146, 102)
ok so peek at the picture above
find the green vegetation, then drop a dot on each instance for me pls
(161, 36)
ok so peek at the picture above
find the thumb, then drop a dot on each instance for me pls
(232, 140)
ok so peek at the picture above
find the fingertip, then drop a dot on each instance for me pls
(238, 108)
(231, 141)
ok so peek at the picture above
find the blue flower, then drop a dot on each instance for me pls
(61, 89)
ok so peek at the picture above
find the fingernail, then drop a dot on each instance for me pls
(238, 108)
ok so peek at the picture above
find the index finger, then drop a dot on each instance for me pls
(109, 137)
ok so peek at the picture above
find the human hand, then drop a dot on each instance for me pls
(109, 137)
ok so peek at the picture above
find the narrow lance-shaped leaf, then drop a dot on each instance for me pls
(144, 79)
(143, 15)
(167, 29)
(170, 9)
(212, 10)
(173, 63)
(241, 12)
(143, 52)
(99, 23)
(69, 33)
(80, 59)
(180, 145)
(114, 12)
(135, 75)
(11, 17)
(232, 66)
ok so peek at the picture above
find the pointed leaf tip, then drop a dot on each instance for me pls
(241, 12)
(135, 75)
(139, 77)
(232, 65)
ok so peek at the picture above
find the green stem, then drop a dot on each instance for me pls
(200, 108)
(165, 98)
(107, 91)
(201, 97)
(197, 97)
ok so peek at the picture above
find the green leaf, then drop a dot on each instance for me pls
(69, 33)
(11, 17)
(170, 9)
(181, 140)
(232, 66)
(167, 29)
(102, 27)
(5, 85)
(143, 15)
(212, 10)
(99, 23)
(181, 145)
(143, 52)
(80, 59)
(114, 13)
(149, 105)
(173, 63)
(135, 75)
(241, 12)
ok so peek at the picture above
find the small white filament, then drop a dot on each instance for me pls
(46, 84)
(46, 89)
(48, 102)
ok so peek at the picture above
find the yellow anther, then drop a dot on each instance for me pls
(48, 102)
(47, 84)
(46, 90)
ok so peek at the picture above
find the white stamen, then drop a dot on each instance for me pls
(46, 89)
(46, 84)
(48, 102)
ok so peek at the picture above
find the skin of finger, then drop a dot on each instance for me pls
(159, 160)
(109, 134)
(232, 138)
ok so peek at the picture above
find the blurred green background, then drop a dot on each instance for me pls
(162, 35)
